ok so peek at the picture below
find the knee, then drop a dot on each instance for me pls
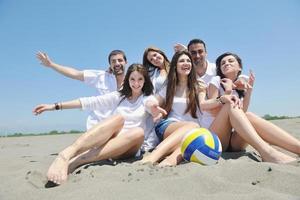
(251, 116)
(136, 135)
(119, 119)
(192, 125)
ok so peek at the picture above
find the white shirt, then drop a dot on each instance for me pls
(158, 81)
(134, 113)
(105, 83)
(179, 106)
(211, 71)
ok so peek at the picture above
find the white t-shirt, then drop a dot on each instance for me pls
(158, 81)
(105, 83)
(134, 113)
(179, 106)
(211, 71)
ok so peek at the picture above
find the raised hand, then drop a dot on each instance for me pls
(43, 107)
(251, 79)
(157, 112)
(179, 47)
(44, 58)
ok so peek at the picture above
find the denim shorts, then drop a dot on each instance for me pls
(161, 127)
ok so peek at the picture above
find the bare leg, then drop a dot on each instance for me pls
(96, 136)
(222, 127)
(174, 133)
(241, 124)
(172, 160)
(123, 145)
(273, 134)
(237, 143)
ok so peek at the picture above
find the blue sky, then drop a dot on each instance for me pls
(82, 33)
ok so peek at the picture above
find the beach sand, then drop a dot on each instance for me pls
(25, 160)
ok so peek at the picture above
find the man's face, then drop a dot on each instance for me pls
(198, 54)
(117, 64)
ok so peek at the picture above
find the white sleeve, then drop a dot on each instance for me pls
(163, 92)
(92, 77)
(109, 101)
(216, 81)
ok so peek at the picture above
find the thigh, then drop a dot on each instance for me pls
(222, 127)
(135, 136)
(184, 125)
(237, 143)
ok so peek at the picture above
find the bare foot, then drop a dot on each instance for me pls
(147, 160)
(171, 161)
(166, 163)
(58, 170)
(275, 156)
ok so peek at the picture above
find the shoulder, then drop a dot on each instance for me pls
(216, 81)
(94, 73)
(211, 68)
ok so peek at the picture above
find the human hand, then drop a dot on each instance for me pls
(44, 58)
(251, 79)
(157, 112)
(179, 47)
(231, 99)
(228, 85)
(43, 107)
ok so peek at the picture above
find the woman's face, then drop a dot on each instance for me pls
(136, 82)
(184, 65)
(230, 66)
(155, 59)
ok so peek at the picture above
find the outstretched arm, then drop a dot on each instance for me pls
(152, 106)
(57, 106)
(64, 70)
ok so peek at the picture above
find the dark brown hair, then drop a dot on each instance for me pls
(147, 89)
(149, 66)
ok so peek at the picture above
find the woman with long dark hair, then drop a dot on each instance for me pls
(120, 136)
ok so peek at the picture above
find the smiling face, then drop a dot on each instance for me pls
(155, 59)
(198, 53)
(136, 82)
(184, 65)
(117, 64)
(229, 66)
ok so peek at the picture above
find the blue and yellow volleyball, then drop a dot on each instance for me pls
(201, 146)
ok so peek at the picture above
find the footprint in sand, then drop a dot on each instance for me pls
(36, 179)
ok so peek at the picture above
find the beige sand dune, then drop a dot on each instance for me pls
(24, 162)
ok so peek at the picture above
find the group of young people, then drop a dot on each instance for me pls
(150, 106)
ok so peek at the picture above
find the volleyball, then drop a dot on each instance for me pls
(201, 146)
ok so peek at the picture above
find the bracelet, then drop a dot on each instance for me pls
(56, 106)
(218, 99)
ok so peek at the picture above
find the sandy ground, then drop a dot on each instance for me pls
(25, 160)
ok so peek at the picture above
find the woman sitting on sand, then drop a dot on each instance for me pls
(179, 99)
(120, 136)
(249, 128)
(230, 115)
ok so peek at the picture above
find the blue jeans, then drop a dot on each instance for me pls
(161, 127)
